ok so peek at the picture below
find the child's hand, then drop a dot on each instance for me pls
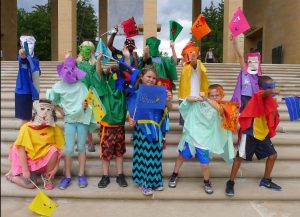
(100, 56)
(172, 44)
(132, 122)
(22, 53)
(84, 105)
(146, 50)
(194, 99)
(52, 173)
(68, 54)
(26, 174)
(276, 91)
(169, 96)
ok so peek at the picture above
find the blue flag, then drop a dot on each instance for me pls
(293, 106)
(101, 48)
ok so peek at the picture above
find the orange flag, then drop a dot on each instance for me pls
(200, 28)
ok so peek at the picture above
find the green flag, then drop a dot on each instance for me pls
(175, 29)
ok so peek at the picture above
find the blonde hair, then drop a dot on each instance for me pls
(92, 59)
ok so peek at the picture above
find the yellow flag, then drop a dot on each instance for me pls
(42, 205)
(94, 101)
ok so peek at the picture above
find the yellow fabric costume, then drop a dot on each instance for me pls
(37, 142)
(185, 79)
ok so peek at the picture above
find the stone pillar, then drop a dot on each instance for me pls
(54, 30)
(229, 55)
(103, 8)
(196, 11)
(67, 33)
(150, 19)
(9, 39)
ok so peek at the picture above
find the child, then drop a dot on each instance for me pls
(86, 62)
(147, 154)
(112, 131)
(258, 123)
(37, 148)
(70, 94)
(246, 84)
(203, 134)
(27, 84)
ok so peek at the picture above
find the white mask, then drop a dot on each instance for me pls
(30, 41)
(43, 113)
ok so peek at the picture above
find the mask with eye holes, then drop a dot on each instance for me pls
(69, 72)
(43, 113)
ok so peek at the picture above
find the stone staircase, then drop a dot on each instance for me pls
(189, 190)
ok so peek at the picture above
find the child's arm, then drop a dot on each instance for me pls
(215, 105)
(132, 122)
(172, 45)
(22, 53)
(194, 99)
(99, 69)
(126, 54)
(169, 100)
(23, 161)
(111, 40)
(51, 174)
(146, 54)
(135, 59)
(238, 52)
(269, 92)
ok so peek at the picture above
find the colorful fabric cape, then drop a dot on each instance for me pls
(263, 114)
(202, 125)
(185, 80)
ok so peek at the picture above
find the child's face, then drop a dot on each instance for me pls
(149, 78)
(214, 94)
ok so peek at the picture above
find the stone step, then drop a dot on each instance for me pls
(190, 169)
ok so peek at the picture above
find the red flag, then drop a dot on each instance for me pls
(164, 82)
(129, 27)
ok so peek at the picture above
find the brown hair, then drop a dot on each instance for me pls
(146, 69)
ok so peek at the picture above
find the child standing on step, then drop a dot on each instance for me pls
(148, 147)
(258, 123)
(203, 134)
(37, 148)
(70, 94)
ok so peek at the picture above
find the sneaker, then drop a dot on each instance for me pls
(48, 183)
(91, 148)
(173, 181)
(229, 191)
(64, 183)
(82, 181)
(103, 183)
(267, 183)
(121, 180)
(160, 188)
(146, 191)
(208, 188)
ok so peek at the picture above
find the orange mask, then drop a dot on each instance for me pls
(188, 51)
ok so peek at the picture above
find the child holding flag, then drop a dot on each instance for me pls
(148, 147)
(203, 133)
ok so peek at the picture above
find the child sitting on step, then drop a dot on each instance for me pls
(258, 123)
(37, 148)
(203, 133)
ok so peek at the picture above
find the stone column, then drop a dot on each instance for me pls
(196, 11)
(54, 30)
(67, 22)
(150, 19)
(9, 39)
(229, 55)
(103, 8)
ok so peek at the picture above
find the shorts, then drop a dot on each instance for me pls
(23, 106)
(112, 142)
(202, 155)
(244, 102)
(250, 146)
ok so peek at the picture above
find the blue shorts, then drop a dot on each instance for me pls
(202, 155)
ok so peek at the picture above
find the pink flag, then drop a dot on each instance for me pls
(238, 23)
(130, 28)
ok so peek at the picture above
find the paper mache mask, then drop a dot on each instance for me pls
(86, 51)
(30, 42)
(190, 52)
(69, 72)
(253, 63)
(153, 44)
(43, 113)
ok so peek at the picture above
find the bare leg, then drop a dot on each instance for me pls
(105, 166)
(82, 161)
(119, 164)
(235, 167)
(52, 162)
(21, 181)
(178, 164)
(269, 165)
(205, 171)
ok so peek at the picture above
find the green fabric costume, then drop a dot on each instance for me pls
(203, 126)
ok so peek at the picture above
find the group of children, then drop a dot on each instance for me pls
(40, 142)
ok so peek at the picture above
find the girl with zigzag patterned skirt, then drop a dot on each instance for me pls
(147, 140)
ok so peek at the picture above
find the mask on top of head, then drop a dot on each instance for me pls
(153, 44)
(69, 72)
(86, 51)
(30, 40)
(43, 113)
(190, 52)
(253, 63)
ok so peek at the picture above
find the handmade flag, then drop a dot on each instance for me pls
(238, 23)
(126, 77)
(200, 28)
(230, 116)
(293, 106)
(42, 205)
(175, 29)
(97, 107)
(164, 82)
(129, 27)
(101, 48)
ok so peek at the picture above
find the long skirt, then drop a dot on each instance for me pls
(147, 161)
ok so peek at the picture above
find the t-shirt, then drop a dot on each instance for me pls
(37, 141)
(195, 82)
(246, 85)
